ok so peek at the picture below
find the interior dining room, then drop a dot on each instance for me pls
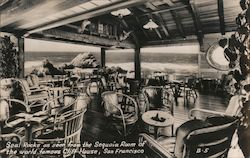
(124, 78)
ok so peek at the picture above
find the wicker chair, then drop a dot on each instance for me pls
(6, 138)
(66, 130)
(158, 98)
(14, 134)
(120, 83)
(34, 82)
(31, 94)
(121, 109)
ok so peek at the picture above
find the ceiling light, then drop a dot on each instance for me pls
(121, 12)
(150, 25)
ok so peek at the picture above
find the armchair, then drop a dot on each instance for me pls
(7, 134)
(4, 139)
(30, 94)
(120, 82)
(196, 138)
(121, 109)
(33, 81)
(233, 109)
(66, 130)
(158, 98)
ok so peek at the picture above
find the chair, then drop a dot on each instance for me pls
(30, 94)
(34, 82)
(120, 82)
(134, 86)
(72, 82)
(237, 107)
(66, 130)
(158, 98)
(189, 92)
(6, 138)
(15, 134)
(196, 139)
(233, 109)
(121, 109)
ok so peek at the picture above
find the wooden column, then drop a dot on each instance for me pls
(199, 64)
(103, 57)
(137, 59)
(21, 56)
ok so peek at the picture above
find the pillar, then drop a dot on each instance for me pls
(103, 57)
(137, 60)
(21, 56)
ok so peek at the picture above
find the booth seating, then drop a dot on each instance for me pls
(196, 139)
(121, 110)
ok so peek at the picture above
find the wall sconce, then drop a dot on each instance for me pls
(121, 12)
(150, 25)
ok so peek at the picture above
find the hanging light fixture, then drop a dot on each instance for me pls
(121, 12)
(150, 25)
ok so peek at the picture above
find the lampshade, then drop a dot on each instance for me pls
(121, 12)
(150, 25)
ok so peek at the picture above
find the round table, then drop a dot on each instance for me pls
(148, 116)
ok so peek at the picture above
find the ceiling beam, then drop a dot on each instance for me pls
(178, 23)
(168, 2)
(181, 41)
(197, 22)
(50, 13)
(163, 25)
(141, 26)
(160, 18)
(221, 16)
(155, 29)
(81, 38)
(152, 7)
(93, 13)
(135, 38)
(24, 9)
(164, 10)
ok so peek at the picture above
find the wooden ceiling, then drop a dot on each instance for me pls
(178, 20)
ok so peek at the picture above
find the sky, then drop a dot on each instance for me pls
(32, 45)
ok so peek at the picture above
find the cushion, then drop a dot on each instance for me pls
(219, 120)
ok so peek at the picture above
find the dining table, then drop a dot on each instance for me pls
(158, 119)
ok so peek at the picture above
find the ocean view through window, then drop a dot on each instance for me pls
(177, 60)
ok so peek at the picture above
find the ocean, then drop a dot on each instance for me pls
(166, 62)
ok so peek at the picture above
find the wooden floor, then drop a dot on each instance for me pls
(97, 128)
